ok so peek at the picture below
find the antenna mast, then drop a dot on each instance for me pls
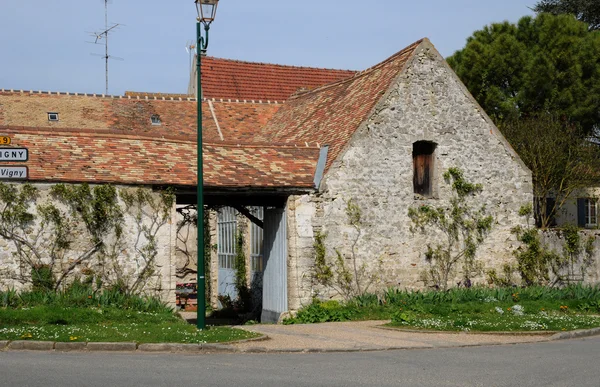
(104, 35)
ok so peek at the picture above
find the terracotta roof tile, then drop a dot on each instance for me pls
(125, 159)
(226, 78)
(237, 121)
(331, 114)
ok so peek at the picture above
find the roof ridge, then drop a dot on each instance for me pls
(270, 145)
(141, 98)
(361, 73)
(278, 65)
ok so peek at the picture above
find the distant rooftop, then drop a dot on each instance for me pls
(239, 80)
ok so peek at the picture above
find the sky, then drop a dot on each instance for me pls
(44, 45)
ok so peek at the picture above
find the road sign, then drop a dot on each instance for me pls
(14, 173)
(14, 154)
(4, 140)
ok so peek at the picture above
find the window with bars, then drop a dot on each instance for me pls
(256, 242)
(227, 231)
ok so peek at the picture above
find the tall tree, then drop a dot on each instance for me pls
(560, 156)
(585, 10)
(544, 64)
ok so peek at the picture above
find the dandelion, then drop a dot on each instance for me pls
(72, 338)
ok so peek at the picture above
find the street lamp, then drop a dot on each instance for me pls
(207, 10)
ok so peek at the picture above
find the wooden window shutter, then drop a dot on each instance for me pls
(422, 178)
(423, 152)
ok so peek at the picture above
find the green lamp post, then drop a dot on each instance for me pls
(207, 10)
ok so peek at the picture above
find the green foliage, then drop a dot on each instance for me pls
(561, 159)
(322, 271)
(466, 308)
(461, 186)
(543, 64)
(97, 207)
(319, 312)
(577, 257)
(241, 273)
(533, 258)
(463, 227)
(150, 215)
(42, 277)
(81, 314)
(538, 265)
(78, 231)
(345, 275)
(503, 280)
(587, 11)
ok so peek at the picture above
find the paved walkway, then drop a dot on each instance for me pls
(362, 336)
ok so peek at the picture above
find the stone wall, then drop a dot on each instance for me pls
(554, 240)
(124, 258)
(426, 103)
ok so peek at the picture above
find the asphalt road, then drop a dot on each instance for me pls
(557, 363)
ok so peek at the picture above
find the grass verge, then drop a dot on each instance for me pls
(101, 317)
(473, 309)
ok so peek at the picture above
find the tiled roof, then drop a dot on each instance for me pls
(225, 78)
(237, 121)
(331, 114)
(73, 156)
(143, 94)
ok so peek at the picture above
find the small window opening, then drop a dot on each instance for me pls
(423, 152)
(52, 116)
(155, 119)
(591, 215)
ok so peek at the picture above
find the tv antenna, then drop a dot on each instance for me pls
(103, 36)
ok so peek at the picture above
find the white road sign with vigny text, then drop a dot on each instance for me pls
(13, 173)
(14, 154)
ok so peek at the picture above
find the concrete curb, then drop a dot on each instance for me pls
(31, 345)
(499, 333)
(168, 347)
(575, 334)
(70, 346)
(128, 347)
(19, 345)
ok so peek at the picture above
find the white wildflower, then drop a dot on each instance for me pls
(518, 310)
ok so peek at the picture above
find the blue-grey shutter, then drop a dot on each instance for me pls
(581, 212)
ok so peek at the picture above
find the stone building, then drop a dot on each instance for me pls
(379, 139)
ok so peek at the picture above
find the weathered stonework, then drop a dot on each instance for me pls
(427, 102)
(128, 262)
(554, 241)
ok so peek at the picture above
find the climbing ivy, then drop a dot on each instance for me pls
(78, 230)
(345, 275)
(464, 228)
